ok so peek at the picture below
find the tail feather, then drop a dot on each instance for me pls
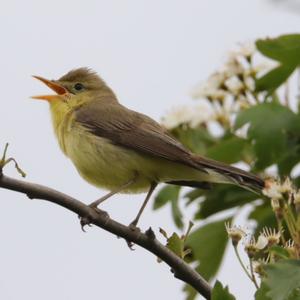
(234, 175)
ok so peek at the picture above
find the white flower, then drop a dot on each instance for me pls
(235, 233)
(177, 116)
(202, 113)
(297, 197)
(271, 236)
(246, 49)
(233, 66)
(276, 190)
(250, 83)
(262, 242)
(272, 189)
(192, 116)
(234, 85)
(291, 248)
(252, 247)
(262, 67)
(286, 186)
(211, 87)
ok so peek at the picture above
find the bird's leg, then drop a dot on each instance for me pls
(115, 191)
(94, 205)
(135, 221)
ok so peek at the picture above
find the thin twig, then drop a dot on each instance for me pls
(180, 269)
(252, 273)
(241, 262)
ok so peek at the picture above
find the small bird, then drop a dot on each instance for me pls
(124, 151)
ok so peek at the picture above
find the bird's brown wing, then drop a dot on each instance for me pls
(140, 133)
(132, 130)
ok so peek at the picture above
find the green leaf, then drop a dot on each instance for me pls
(176, 213)
(280, 252)
(166, 194)
(261, 293)
(270, 126)
(191, 293)
(283, 278)
(285, 48)
(176, 244)
(295, 295)
(296, 181)
(290, 158)
(193, 195)
(222, 197)
(195, 139)
(274, 79)
(221, 293)
(228, 150)
(208, 244)
(264, 217)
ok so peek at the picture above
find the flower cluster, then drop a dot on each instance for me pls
(223, 94)
(193, 116)
(272, 244)
(236, 79)
(258, 250)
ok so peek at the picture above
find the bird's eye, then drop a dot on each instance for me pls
(78, 86)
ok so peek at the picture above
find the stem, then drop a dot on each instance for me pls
(241, 263)
(252, 273)
(280, 229)
(290, 220)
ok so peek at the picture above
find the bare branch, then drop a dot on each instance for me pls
(147, 240)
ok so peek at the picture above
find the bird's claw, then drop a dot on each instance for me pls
(84, 221)
(130, 245)
(132, 227)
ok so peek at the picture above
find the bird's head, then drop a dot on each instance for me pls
(75, 88)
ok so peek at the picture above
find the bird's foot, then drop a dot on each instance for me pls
(132, 227)
(130, 245)
(85, 221)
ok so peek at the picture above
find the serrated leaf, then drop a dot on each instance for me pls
(208, 245)
(221, 293)
(285, 48)
(166, 194)
(270, 125)
(176, 244)
(283, 278)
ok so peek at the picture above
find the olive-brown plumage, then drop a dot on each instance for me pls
(122, 150)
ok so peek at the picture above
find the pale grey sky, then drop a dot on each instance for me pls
(151, 53)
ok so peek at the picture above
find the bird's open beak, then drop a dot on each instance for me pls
(57, 88)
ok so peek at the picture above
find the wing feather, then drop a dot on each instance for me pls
(132, 130)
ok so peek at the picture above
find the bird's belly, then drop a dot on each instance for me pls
(110, 166)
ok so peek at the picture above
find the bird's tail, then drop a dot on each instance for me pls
(228, 174)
